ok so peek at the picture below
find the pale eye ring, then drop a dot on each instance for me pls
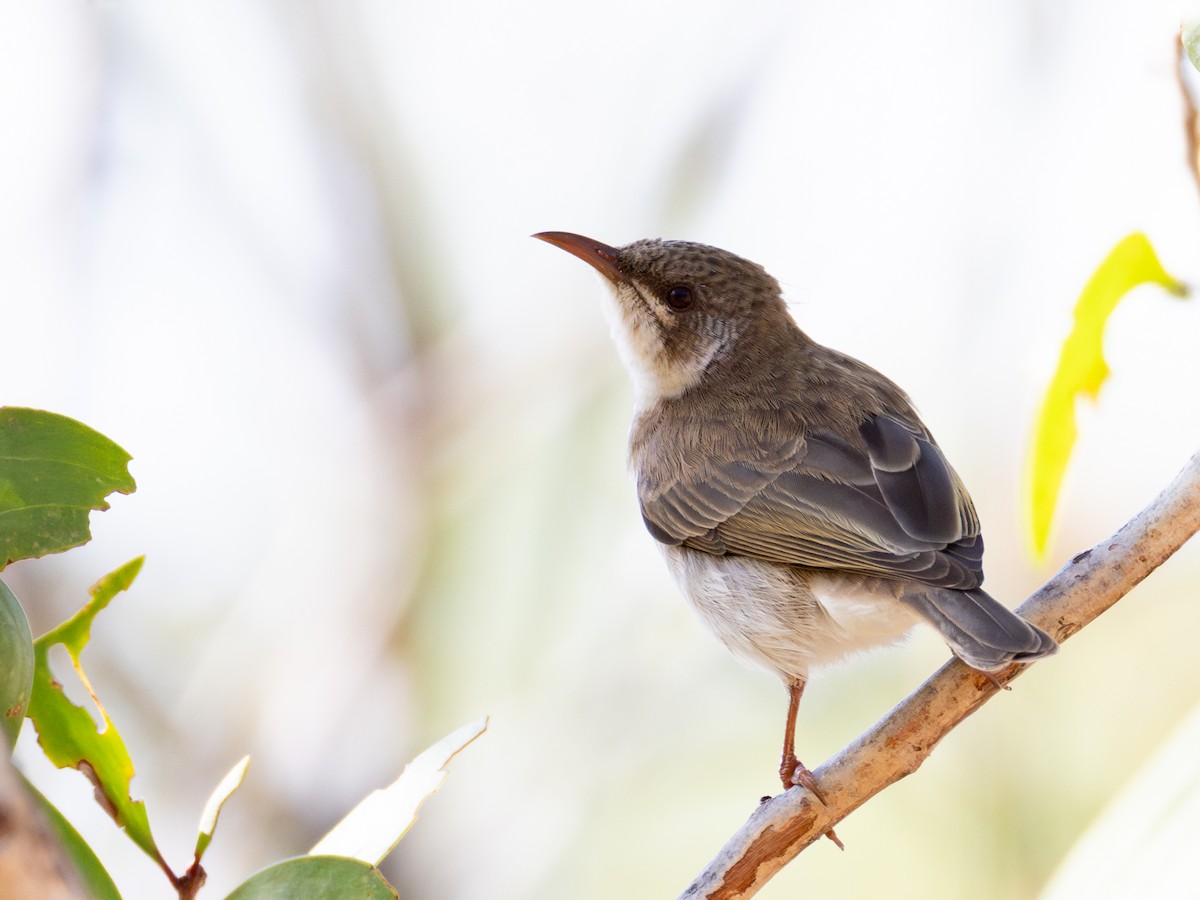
(680, 297)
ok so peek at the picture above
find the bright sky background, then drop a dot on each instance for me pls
(280, 253)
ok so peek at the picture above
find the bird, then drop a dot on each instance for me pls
(802, 506)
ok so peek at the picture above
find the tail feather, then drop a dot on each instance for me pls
(981, 632)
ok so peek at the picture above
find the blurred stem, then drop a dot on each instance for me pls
(895, 747)
(32, 862)
(1191, 122)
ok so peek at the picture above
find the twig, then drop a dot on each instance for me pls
(895, 747)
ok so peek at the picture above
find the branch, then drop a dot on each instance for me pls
(895, 747)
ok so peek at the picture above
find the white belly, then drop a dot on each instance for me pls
(787, 620)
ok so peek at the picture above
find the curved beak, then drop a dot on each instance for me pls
(600, 257)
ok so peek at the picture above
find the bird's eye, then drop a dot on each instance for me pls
(680, 298)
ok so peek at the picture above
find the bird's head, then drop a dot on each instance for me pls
(679, 308)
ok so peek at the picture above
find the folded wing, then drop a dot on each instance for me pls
(888, 505)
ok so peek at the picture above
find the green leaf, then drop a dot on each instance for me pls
(16, 666)
(316, 878)
(372, 829)
(212, 809)
(53, 472)
(95, 877)
(67, 732)
(1081, 371)
(1191, 38)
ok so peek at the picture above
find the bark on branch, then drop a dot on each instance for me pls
(895, 747)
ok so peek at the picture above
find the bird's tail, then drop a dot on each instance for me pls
(981, 632)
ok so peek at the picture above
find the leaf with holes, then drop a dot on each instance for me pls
(68, 733)
(53, 472)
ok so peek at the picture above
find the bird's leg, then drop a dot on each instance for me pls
(792, 772)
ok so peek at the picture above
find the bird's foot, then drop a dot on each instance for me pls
(794, 773)
(800, 775)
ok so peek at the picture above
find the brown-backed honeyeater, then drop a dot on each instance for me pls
(803, 507)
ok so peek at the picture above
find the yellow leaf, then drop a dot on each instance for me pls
(1082, 370)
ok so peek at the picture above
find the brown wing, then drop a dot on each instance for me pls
(893, 509)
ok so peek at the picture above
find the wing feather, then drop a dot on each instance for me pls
(889, 506)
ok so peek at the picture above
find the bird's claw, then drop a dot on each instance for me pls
(800, 776)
